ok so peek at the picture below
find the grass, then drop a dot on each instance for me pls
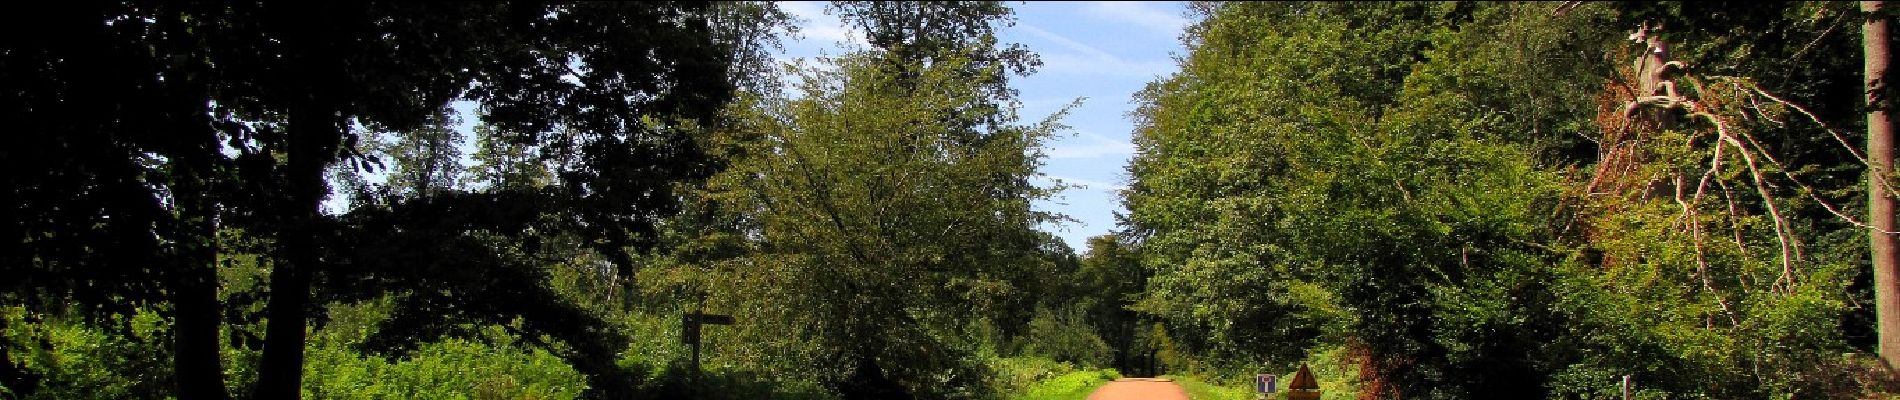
(1074, 385)
(1037, 378)
(1199, 390)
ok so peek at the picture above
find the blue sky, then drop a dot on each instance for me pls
(1102, 52)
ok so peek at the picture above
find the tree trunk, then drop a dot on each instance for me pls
(197, 363)
(193, 173)
(316, 129)
(1880, 203)
(315, 132)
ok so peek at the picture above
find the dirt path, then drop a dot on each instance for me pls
(1139, 389)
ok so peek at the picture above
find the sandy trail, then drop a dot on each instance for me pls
(1139, 389)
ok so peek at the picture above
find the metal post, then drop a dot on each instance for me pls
(1626, 387)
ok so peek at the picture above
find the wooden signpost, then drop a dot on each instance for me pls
(689, 333)
(690, 323)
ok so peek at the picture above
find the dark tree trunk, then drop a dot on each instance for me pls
(197, 363)
(316, 129)
(191, 276)
(1880, 203)
(315, 133)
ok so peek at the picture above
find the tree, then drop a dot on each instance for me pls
(1880, 212)
(878, 232)
(425, 161)
(1451, 198)
(502, 163)
(1112, 275)
(164, 121)
(1264, 167)
(115, 180)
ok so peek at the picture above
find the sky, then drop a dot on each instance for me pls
(1101, 52)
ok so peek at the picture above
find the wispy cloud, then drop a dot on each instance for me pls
(1081, 58)
(1084, 183)
(814, 24)
(1139, 14)
(1088, 145)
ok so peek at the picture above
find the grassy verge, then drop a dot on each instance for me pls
(1074, 385)
(1034, 378)
(1199, 390)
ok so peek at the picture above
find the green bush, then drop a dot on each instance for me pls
(1065, 335)
(493, 366)
(127, 358)
(1037, 378)
(1019, 374)
(1073, 385)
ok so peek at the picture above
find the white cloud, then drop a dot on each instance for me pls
(1081, 58)
(1139, 14)
(1079, 47)
(815, 25)
(1088, 145)
(1084, 183)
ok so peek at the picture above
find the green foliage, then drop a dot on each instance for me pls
(1337, 369)
(868, 223)
(1202, 390)
(1419, 200)
(162, 123)
(882, 229)
(126, 359)
(423, 161)
(1065, 335)
(1392, 187)
(1018, 374)
(1037, 378)
(501, 162)
(494, 365)
(1074, 385)
(1351, 200)
(918, 33)
(1111, 280)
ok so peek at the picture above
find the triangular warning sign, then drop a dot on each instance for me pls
(1303, 380)
(1303, 386)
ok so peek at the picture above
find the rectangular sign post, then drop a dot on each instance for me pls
(1266, 383)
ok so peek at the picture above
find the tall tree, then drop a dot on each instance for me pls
(1112, 274)
(162, 121)
(1880, 211)
(574, 161)
(114, 181)
(425, 161)
(921, 34)
(501, 162)
(323, 66)
(1369, 198)
(879, 230)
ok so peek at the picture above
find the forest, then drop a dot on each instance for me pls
(1415, 200)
